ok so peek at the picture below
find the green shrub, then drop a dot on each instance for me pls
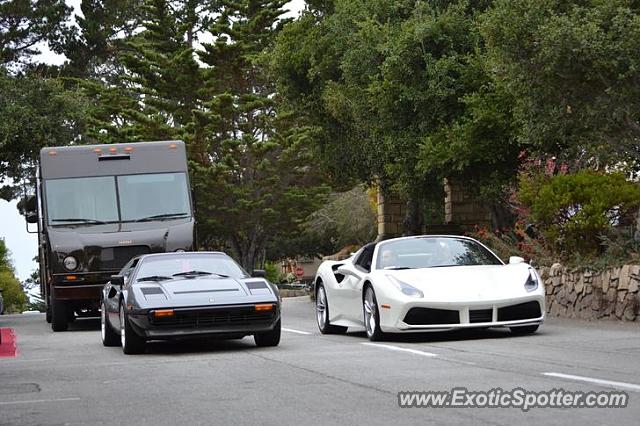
(272, 270)
(574, 211)
(14, 298)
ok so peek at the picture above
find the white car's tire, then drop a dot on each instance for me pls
(371, 315)
(322, 313)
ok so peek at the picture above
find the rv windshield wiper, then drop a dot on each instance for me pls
(80, 220)
(154, 278)
(162, 216)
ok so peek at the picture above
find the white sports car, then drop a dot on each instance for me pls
(427, 283)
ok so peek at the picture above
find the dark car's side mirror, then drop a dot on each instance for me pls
(117, 280)
(259, 273)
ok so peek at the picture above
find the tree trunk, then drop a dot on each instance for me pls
(414, 219)
(247, 250)
(501, 217)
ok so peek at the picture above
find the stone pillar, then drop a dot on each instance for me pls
(461, 209)
(391, 212)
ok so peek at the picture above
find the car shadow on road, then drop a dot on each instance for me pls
(199, 346)
(84, 324)
(446, 336)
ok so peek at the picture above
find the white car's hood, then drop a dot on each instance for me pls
(466, 283)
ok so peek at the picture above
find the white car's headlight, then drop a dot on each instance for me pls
(406, 289)
(70, 263)
(532, 281)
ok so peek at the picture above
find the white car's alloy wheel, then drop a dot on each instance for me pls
(369, 312)
(321, 308)
(371, 315)
(322, 313)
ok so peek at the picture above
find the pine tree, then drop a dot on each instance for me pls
(26, 23)
(258, 181)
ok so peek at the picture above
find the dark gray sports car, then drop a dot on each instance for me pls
(191, 294)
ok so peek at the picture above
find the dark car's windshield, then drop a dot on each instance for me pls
(180, 265)
(433, 252)
(108, 199)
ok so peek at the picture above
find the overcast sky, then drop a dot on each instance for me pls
(24, 246)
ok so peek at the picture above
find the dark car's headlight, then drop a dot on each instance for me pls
(406, 289)
(532, 281)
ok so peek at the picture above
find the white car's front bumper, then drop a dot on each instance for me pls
(421, 315)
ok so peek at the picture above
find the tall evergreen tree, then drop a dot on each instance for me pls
(24, 24)
(256, 181)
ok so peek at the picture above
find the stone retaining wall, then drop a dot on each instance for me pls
(611, 294)
(293, 293)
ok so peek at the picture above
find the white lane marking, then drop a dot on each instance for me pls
(400, 349)
(31, 401)
(291, 330)
(602, 382)
(13, 360)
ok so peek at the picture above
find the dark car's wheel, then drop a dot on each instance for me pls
(322, 314)
(371, 315)
(109, 337)
(59, 319)
(527, 329)
(130, 341)
(270, 338)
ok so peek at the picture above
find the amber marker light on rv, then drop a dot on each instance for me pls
(128, 149)
(113, 149)
(97, 150)
(53, 153)
(173, 146)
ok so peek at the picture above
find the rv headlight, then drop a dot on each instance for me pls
(70, 263)
(406, 289)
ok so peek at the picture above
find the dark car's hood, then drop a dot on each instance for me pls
(202, 291)
(108, 247)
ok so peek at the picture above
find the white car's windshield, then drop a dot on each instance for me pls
(433, 252)
(184, 264)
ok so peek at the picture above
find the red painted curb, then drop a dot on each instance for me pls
(8, 347)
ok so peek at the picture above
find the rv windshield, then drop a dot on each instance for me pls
(109, 199)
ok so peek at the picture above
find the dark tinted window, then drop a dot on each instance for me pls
(365, 258)
(69, 201)
(168, 265)
(144, 196)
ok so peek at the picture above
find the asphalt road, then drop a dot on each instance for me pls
(70, 378)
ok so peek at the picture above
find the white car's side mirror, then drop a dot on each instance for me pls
(514, 260)
(346, 271)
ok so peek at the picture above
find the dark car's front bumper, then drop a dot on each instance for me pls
(206, 321)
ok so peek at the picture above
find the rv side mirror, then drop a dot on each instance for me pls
(259, 273)
(28, 206)
(117, 280)
(31, 217)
